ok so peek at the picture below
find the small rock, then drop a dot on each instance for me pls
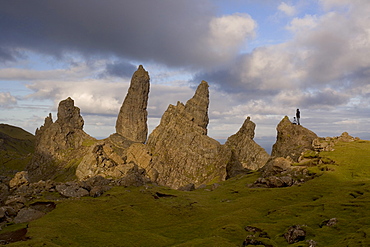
(295, 234)
(188, 187)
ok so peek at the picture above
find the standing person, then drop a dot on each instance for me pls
(298, 115)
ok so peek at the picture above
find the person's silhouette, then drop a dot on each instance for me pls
(298, 115)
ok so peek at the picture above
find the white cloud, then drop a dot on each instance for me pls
(7, 100)
(287, 9)
(229, 33)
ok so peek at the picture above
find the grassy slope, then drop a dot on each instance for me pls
(133, 217)
(17, 145)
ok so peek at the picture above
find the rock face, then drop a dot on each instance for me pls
(58, 142)
(246, 150)
(292, 140)
(132, 119)
(181, 151)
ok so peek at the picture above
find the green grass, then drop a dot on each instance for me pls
(16, 148)
(133, 217)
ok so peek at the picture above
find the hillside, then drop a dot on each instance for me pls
(16, 147)
(218, 215)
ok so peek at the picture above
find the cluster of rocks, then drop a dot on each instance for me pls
(321, 144)
(280, 172)
(18, 198)
(178, 152)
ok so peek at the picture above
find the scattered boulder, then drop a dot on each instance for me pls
(27, 215)
(330, 223)
(246, 150)
(292, 140)
(188, 187)
(71, 189)
(257, 237)
(295, 234)
(132, 118)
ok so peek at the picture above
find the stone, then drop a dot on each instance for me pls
(181, 151)
(295, 234)
(20, 178)
(292, 140)
(132, 118)
(27, 215)
(331, 222)
(4, 192)
(71, 189)
(246, 150)
(188, 187)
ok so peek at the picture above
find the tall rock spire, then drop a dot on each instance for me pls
(132, 118)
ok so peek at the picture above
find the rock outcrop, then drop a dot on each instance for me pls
(132, 119)
(246, 150)
(327, 144)
(279, 172)
(59, 143)
(292, 140)
(181, 151)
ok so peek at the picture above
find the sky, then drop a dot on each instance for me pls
(261, 58)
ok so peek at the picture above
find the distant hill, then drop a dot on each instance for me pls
(16, 149)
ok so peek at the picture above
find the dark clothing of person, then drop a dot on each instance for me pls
(298, 115)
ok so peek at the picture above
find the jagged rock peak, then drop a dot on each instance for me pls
(132, 118)
(69, 115)
(246, 150)
(292, 140)
(198, 105)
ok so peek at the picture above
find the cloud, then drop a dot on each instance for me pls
(229, 33)
(7, 100)
(131, 30)
(287, 9)
(119, 69)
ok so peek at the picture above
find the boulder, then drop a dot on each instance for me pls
(292, 140)
(295, 234)
(20, 178)
(246, 150)
(27, 215)
(132, 118)
(72, 189)
(182, 153)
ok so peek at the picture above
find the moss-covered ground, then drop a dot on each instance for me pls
(138, 217)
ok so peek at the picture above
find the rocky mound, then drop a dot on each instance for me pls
(292, 140)
(58, 144)
(246, 150)
(132, 118)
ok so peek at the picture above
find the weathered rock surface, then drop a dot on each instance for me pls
(292, 140)
(59, 143)
(246, 150)
(132, 119)
(182, 153)
(321, 144)
(27, 215)
(20, 178)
